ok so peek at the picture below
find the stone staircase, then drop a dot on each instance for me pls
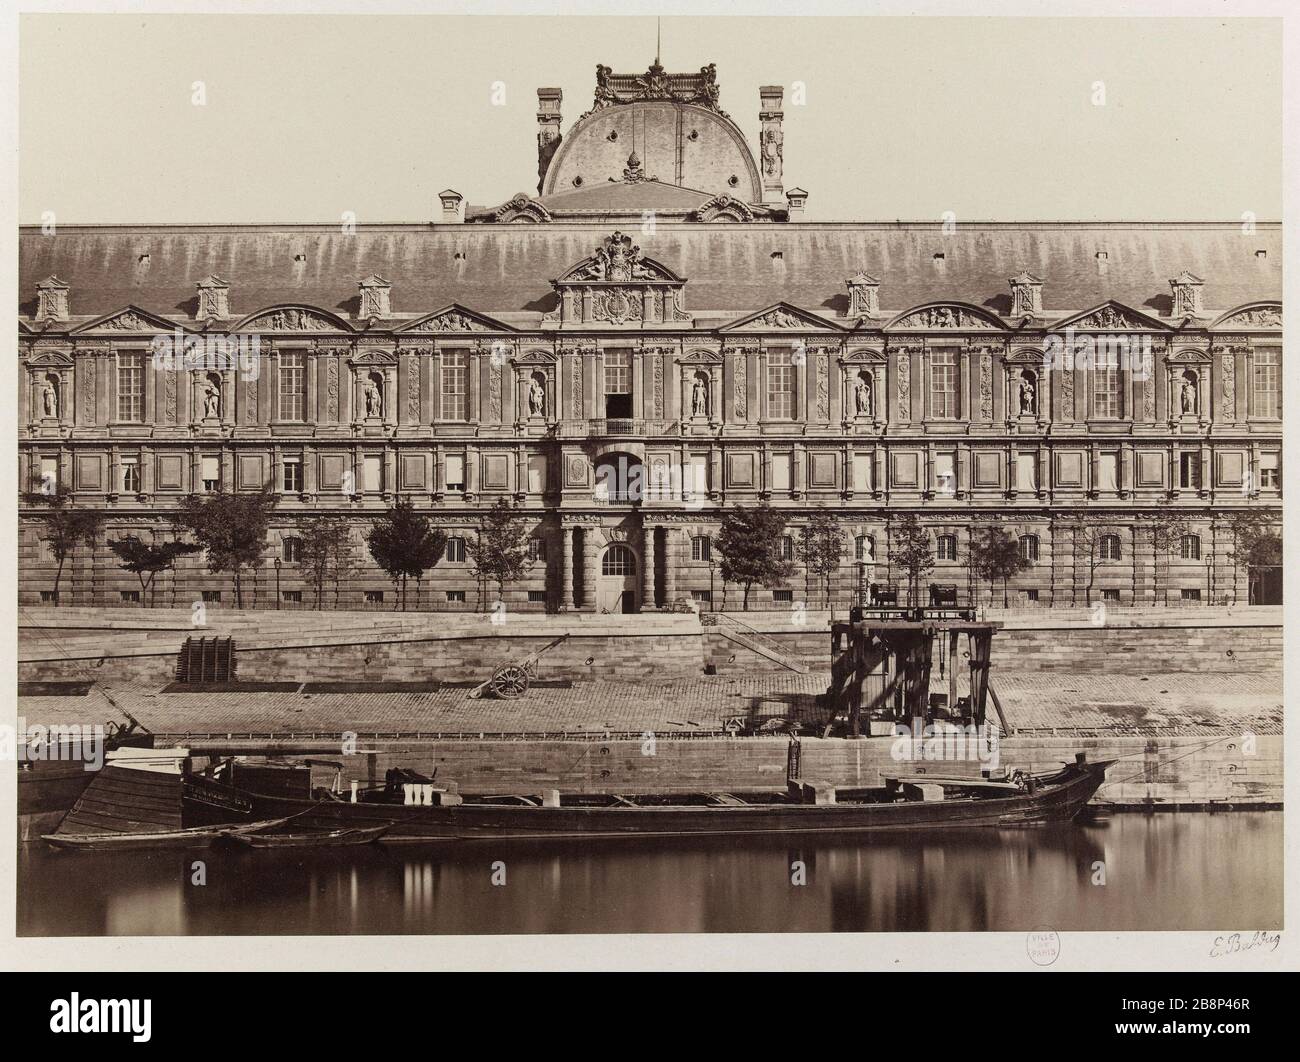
(741, 633)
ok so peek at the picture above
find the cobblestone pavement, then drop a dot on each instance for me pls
(1182, 703)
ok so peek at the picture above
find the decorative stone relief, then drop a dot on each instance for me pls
(823, 388)
(986, 387)
(1229, 387)
(742, 398)
(1149, 398)
(1067, 394)
(494, 392)
(657, 371)
(576, 388)
(169, 397)
(332, 390)
(904, 385)
(413, 390)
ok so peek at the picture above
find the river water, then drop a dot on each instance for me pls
(1169, 871)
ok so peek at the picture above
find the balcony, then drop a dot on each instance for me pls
(616, 426)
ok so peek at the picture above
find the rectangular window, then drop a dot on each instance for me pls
(49, 475)
(456, 472)
(456, 596)
(1027, 472)
(1031, 595)
(372, 468)
(455, 386)
(697, 481)
(291, 597)
(780, 385)
(455, 549)
(618, 372)
(1110, 595)
(210, 473)
(537, 549)
(293, 386)
(537, 597)
(862, 472)
(212, 597)
(130, 387)
(1108, 472)
(374, 597)
(537, 474)
(945, 474)
(704, 597)
(293, 475)
(943, 384)
(1106, 384)
(1267, 366)
(783, 596)
(130, 597)
(49, 597)
(1190, 595)
(782, 472)
(130, 481)
(1270, 476)
(1189, 471)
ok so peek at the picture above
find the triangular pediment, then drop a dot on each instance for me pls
(25, 329)
(292, 318)
(945, 316)
(456, 318)
(130, 319)
(1252, 315)
(782, 317)
(1111, 316)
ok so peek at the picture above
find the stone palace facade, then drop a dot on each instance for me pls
(652, 337)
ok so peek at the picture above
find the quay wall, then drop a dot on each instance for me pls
(1156, 772)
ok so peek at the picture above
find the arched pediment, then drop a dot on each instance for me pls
(945, 316)
(1252, 315)
(523, 209)
(292, 318)
(619, 260)
(723, 208)
(864, 356)
(701, 357)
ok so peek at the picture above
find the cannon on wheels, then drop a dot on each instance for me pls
(510, 681)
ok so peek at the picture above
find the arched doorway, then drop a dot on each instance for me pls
(617, 590)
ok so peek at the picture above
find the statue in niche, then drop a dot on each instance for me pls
(536, 397)
(700, 396)
(1189, 393)
(374, 398)
(862, 395)
(211, 399)
(1028, 395)
(50, 398)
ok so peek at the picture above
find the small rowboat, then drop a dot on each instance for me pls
(194, 837)
(309, 838)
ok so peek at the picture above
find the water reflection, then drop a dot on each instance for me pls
(1162, 872)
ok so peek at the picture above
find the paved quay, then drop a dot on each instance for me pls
(1036, 703)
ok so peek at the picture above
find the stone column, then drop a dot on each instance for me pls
(648, 566)
(589, 577)
(670, 565)
(566, 569)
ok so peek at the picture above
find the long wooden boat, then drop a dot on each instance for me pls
(902, 804)
(194, 837)
(308, 838)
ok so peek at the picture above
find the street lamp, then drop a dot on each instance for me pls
(278, 595)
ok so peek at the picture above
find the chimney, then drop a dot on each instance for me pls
(770, 141)
(1026, 295)
(52, 299)
(214, 298)
(451, 202)
(375, 292)
(795, 199)
(548, 130)
(864, 295)
(1186, 288)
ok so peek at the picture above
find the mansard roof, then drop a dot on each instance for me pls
(504, 270)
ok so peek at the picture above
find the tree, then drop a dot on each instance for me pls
(405, 544)
(327, 550)
(231, 529)
(821, 547)
(1087, 536)
(1255, 544)
(500, 554)
(65, 526)
(995, 555)
(749, 541)
(910, 550)
(147, 559)
(1165, 530)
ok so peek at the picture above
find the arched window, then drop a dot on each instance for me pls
(864, 549)
(618, 560)
(787, 548)
(701, 548)
(1191, 547)
(1029, 547)
(292, 550)
(947, 548)
(455, 549)
(1110, 549)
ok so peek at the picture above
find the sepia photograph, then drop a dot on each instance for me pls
(679, 472)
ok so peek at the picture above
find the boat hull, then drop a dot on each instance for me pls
(1057, 802)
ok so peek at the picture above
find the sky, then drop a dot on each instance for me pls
(308, 117)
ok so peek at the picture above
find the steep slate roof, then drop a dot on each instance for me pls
(506, 269)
